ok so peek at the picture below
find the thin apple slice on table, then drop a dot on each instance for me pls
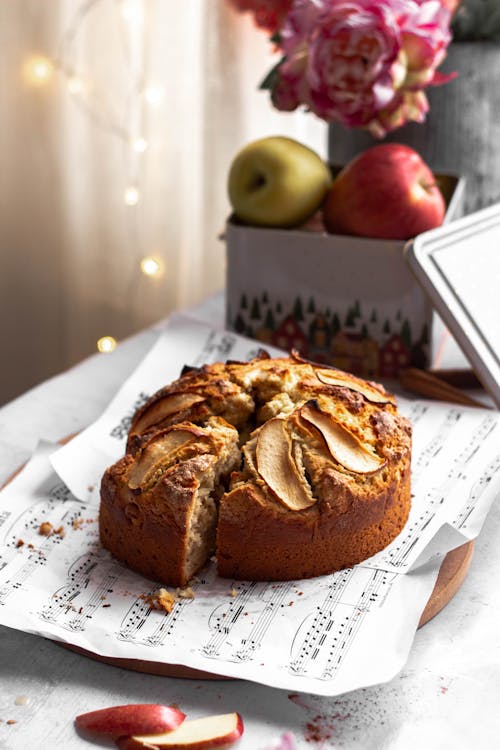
(134, 718)
(196, 734)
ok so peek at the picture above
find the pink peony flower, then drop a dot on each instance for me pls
(267, 14)
(363, 63)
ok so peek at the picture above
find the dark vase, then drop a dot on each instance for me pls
(461, 134)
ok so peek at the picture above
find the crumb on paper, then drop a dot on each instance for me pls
(234, 592)
(77, 523)
(161, 600)
(106, 605)
(20, 543)
(46, 528)
(60, 531)
(90, 488)
(11, 721)
(185, 593)
(21, 700)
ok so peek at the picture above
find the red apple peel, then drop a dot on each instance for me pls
(134, 718)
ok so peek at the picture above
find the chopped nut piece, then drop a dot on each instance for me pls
(278, 469)
(342, 444)
(46, 529)
(20, 543)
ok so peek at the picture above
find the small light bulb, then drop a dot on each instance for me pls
(38, 70)
(140, 145)
(106, 344)
(153, 94)
(131, 196)
(151, 266)
(75, 85)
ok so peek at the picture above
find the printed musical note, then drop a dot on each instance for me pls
(432, 449)
(91, 577)
(324, 638)
(59, 510)
(145, 625)
(239, 627)
(479, 487)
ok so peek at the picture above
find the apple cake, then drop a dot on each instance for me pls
(282, 468)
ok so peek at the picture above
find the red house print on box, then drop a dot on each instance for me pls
(290, 335)
(394, 355)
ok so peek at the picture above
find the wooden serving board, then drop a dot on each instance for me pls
(451, 576)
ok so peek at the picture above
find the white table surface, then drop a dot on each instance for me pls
(447, 696)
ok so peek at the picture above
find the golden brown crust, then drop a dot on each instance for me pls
(152, 527)
(325, 488)
(257, 541)
(149, 533)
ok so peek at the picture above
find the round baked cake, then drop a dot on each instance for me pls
(282, 468)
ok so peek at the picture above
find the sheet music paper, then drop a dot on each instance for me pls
(326, 635)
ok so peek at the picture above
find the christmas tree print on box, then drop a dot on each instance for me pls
(369, 342)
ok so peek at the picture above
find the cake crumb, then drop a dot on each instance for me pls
(11, 721)
(60, 531)
(185, 593)
(46, 529)
(233, 592)
(77, 523)
(161, 600)
(20, 543)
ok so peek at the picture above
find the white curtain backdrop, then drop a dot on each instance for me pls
(157, 95)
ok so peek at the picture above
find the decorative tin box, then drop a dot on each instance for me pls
(347, 301)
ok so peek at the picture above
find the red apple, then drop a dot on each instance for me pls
(139, 718)
(208, 732)
(388, 192)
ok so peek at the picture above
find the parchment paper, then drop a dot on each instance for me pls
(326, 635)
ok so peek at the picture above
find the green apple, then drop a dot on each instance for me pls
(277, 182)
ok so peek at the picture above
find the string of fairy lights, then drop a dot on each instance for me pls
(131, 127)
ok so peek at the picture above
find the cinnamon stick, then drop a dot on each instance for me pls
(426, 384)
